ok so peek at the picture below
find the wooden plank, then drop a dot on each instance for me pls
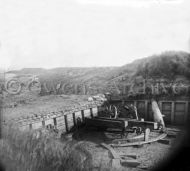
(172, 135)
(78, 114)
(132, 155)
(49, 121)
(60, 123)
(70, 116)
(95, 111)
(180, 106)
(37, 125)
(116, 164)
(112, 151)
(105, 123)
(130, 163)
(131, 122)
(140, 143)
(166, 106)
(61, 127)
(186, 111)
(164, 141)
(87, 113)
(61, 118)
(173, 129)
(70, 123)
(145, 124)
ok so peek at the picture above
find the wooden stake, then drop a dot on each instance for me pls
(146, 134)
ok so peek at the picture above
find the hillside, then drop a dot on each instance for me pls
(169, 65)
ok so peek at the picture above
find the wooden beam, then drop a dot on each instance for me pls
(107, 123)
(130, 163)
(172, 135)
(172, 113)
(145, 124)
(164, 141)
(112, 151)
(140, 143)
(132, 155)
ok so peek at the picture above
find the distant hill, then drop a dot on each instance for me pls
(169, 65)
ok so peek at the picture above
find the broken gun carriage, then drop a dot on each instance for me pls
(124, 119)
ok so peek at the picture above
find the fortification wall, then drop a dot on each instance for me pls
(63, 120)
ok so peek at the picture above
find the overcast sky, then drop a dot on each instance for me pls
(58, 33)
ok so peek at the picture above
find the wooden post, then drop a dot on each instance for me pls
(146, 134)
(98, 112)
(55, 121)
(172, 113)
(91, 113)
(82, 113)
(66, 123)
(186, 112)
(74, 119)
(146, 109)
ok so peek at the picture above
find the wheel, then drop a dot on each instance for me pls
(139, 130)
(113, 111)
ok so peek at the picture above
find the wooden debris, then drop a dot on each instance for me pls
(130, 163)
(132, 155)
(116, 163)
(143, 167)
(132, 139)
(171, 135)
(140, 143)
(164, 141)
(112, 151)
(173, 129)
(116, 157)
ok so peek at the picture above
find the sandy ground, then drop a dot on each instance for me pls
(149, 155)
(29, 104)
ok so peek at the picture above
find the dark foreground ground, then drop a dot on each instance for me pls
(150, 156)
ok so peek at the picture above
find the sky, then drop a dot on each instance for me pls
(88, 33)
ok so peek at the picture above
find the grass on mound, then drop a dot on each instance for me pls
(39, 151)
